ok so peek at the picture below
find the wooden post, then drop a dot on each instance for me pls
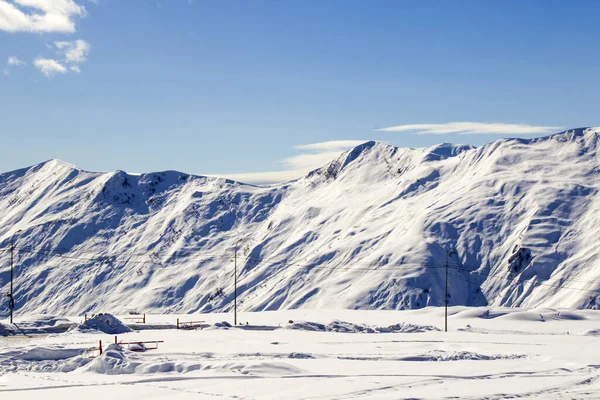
(116, 340)
(100, 346)
(144, 317)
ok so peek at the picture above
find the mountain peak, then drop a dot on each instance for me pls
(54, 163)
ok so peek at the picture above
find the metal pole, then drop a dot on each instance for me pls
(235, 286)
(11, 295)
(235, 282)
(446, 298)
(11, 304)
(449, 252)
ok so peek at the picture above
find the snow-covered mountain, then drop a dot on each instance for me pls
(369, 230)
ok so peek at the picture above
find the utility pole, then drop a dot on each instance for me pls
(11, 301)
(235, 282)
(448, 254)
(11, 296)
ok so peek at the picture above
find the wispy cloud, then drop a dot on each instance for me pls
(331, 145)
(263, 178)
(40, 16)
(75, 52)
(14, 61)
(314, 155)
(49, 67)
(472, 128)
(310, 161)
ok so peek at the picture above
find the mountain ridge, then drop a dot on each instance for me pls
(352, 153)
(368, 230)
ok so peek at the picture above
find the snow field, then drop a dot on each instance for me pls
(488, 353)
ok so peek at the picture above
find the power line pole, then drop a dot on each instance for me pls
(448, 254)
(235, 282)
(11, 301)
(11, 296)
(235, 287)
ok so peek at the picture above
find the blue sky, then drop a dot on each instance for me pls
(278, 87)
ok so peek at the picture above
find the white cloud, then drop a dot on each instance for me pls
(472, 128)
(263, 178)
(75, 52)
(308, 162)
(39, 16)
(49, 67)
(298, 165)
(331, 145)
(14, 61)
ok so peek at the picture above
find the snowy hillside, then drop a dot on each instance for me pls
(368, 230)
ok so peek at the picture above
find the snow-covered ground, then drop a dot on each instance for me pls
(488, 353)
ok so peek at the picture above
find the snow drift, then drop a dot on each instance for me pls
(105, 323)
(37, 325)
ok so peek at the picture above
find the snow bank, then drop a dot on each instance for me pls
(113, 361)
(591, 332)
(220, 325)
(37, 325)
(350, 327)
(151, 327)
(42, 359)
(517, 314)
(301, 356)
(483, 313)
(440, 355)
(6, 330)
(106, 323)
(269, 369)
(49, 353)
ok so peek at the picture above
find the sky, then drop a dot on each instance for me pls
(265, 91)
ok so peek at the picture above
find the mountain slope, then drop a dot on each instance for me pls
(368, 230)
